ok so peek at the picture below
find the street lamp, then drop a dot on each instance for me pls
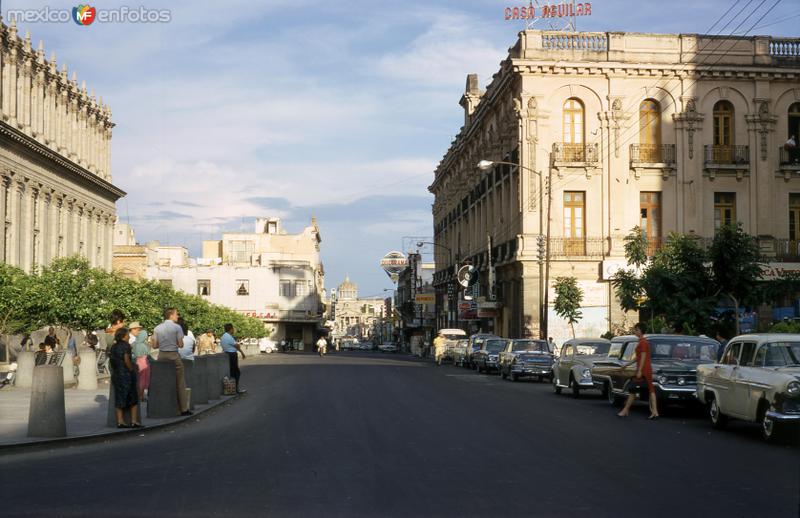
(485, 165)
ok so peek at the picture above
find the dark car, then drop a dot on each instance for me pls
(533, 358)
(674, 361)
(475, 344)
(487, 358)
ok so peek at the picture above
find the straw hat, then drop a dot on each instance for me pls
(135, 325)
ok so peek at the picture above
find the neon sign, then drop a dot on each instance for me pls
(562, 10)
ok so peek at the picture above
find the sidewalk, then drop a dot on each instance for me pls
(86, 412)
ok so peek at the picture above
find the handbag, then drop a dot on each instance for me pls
(228, 386)
(637, 385)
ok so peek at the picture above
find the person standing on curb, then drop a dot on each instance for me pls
(232, 348)
(123, 377)
(168, 338)
(141, 355)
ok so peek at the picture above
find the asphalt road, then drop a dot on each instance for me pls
(360, 434)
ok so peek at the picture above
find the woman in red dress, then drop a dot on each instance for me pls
(644, 374)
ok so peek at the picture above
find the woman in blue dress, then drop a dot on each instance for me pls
(123, 376)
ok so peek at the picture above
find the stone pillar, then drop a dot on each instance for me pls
(47, 415)
(69, 370)
(200, 382)
(213, 379)
(87, 374)
(90, 235)
(24, 376)
(26, 229)
(4, 183)
(162, 398)
(17, 188)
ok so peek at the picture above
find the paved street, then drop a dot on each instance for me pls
(363, 434)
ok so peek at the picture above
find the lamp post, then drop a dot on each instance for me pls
(450, 256)
(485, 165)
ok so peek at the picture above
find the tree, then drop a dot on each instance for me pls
(569, 297)
(736, 266)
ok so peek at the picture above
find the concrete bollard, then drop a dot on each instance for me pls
(111, 415)
(47, 415)
(213, 383)
(87, 370)
(69, 370)
(25, 363)
(162, 398)
(200, 386)
(189, 378)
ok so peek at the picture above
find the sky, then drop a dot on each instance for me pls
(293, 108)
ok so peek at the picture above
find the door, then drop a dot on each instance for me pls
(721, 380)
(574, 223)
(650, 219)
(564, 366)
(741, 392)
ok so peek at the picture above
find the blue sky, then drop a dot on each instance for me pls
(294, 108)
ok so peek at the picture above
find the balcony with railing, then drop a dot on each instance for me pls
(578, 247)
(566, 153)
(787, 250)
(727, 155)
(652, 153)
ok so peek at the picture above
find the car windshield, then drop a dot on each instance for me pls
(531, 345)
(685, 349)
(495, 346)
(592, 348)
(454, 337)
(781, 354)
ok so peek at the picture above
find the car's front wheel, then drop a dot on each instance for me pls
(718, 419)
(576, 389)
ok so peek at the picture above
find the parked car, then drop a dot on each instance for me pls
(387, 348)
(674, 359)
(526, 358)
(451, 336)
(459, 352)
(474, 344)
(573, 367)
(487, 358)
(757, 380)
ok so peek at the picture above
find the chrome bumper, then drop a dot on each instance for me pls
(782, 417)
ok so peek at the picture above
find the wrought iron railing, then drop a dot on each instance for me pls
(578, 247)
(652, 153)
(727, 154)
(564, 152)
(787, 250)
(789, 156)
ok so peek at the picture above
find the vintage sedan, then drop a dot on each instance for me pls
(522, 358)
(675, 359)
(573, 367)
(464, 358)
(451, 337)
(487, 358)
(459, 352)
(757, 380)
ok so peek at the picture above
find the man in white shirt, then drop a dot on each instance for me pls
(322, 346)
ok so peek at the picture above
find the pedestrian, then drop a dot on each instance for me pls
(117, 320)
(644, 375)
(189, 343)
(322, 346)
(123, 377)
(205, 342)
(52, 339)
(141, 357)
(168, 339)
(723, 342)
(232, 348)
(438, 347)
(92, 341)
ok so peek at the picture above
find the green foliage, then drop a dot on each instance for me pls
(628, 288)
(636, 245)
(736, 264)
(569, 297)
(792, 327)
(69, 293)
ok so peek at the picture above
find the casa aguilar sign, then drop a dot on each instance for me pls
(562, 10)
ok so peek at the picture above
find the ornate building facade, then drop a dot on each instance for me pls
(604, 132)
(354, 316)
(56, 195)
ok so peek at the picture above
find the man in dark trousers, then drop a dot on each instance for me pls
(232, 348)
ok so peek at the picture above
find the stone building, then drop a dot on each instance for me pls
(267, 274)
(667, 132)
(56, 195)
(354, 316)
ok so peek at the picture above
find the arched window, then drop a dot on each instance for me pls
(650, 131)
(573, 121)
(573, 130)
(723, 132)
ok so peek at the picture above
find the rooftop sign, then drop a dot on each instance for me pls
(561, 10)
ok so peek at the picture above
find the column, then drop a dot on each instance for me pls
(60, 223)
(47, 231)
(37, 236)
(68, 226)
(26, 229)
(4, 182)
(108, 250)
(17, 188)
(25, 97)
(12, 83)
(90, 235)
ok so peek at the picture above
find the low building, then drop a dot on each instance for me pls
(57, 198)
(268, 274)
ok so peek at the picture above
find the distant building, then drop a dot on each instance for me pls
(356, 317)
(56, 195)
(267, 274)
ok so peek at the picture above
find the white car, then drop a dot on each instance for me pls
(757, 380)
(387, 348)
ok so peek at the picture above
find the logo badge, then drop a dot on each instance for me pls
(84, 14)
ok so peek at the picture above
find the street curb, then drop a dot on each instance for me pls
(78, 439)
